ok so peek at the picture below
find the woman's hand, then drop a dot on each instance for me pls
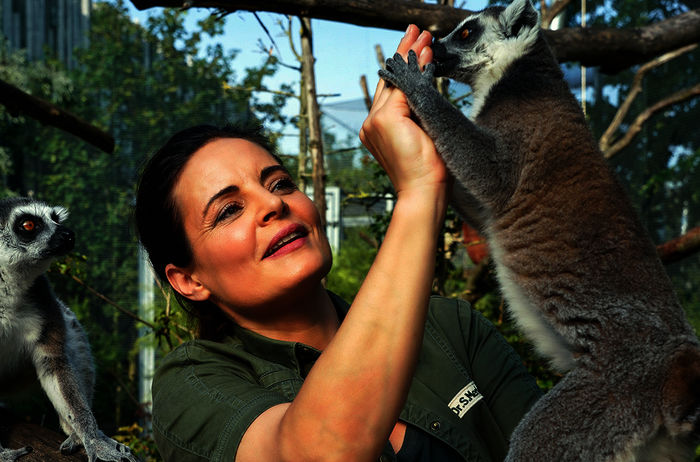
(398, 143)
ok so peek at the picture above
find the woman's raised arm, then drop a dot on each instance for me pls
(351, 399)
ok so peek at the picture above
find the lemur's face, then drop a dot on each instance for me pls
(31, 232)
(485, 43)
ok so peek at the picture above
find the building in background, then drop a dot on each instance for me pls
(37, 26)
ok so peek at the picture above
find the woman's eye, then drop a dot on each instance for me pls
(228, 211)
(284, 185)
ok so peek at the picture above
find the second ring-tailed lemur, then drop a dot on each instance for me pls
(38, 331)
(577, 269)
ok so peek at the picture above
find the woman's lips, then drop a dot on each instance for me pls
(288, 239)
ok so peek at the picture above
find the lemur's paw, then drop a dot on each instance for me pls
(70, 445)
(11, 455)
(106, 449)
(407, 76)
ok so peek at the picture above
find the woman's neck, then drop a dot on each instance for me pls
(310, 319)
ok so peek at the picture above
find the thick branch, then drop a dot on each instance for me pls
(616, 49)
(16, 101)
(385, 14)
(611, 49)
(680, 247)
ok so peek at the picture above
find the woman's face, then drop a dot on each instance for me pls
(256, 239)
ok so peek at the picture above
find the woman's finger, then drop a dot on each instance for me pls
(408, 40)
(421, 46)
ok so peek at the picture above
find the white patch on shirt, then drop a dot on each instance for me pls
(465, 399)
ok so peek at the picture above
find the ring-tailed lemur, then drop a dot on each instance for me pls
(578, 271)
(38, 331)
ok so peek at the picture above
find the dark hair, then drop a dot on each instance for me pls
(159, 223)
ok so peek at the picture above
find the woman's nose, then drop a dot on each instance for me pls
(273, 207)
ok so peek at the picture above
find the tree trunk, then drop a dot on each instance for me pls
(314, 117)
(303, 135)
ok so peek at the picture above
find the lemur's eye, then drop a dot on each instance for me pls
(28, 225)
(465, 32)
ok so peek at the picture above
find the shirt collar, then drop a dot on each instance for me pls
(295, 355)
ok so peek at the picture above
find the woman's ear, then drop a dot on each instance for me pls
(183, 282)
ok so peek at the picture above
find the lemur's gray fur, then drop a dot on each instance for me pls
(578, 271)
(37, 331)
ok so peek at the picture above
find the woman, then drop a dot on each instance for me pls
(284, 370)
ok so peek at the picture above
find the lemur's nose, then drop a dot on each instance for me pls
(62, 241)
(439, 50)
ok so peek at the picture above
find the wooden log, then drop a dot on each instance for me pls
(15, 434)
(612, 50)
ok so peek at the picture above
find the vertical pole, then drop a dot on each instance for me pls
(583, 68)
(147, 356)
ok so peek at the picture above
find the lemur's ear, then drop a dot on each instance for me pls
(518, 15)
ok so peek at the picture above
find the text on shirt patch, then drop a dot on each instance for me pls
(465, 399)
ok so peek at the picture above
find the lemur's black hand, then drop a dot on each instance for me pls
(407, 76)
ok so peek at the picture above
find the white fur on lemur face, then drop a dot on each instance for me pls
(31, 234)
(483, 45)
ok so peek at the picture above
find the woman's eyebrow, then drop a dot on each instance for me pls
(264, 174)
(267, 171)
(222, 192)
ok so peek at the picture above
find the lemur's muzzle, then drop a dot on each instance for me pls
(62, 241)
(443, 61)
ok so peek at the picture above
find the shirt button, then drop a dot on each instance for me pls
(435, 426)
(384, 458)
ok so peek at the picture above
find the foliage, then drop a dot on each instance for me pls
(351, 265)
(144, 447)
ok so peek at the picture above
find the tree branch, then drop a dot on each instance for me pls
(611, 49)
(17, 101)
(680, 247)
(614, 50)
(636, 126)
(111, 302)
(635, 89)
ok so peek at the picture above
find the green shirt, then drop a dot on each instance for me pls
(470, 388)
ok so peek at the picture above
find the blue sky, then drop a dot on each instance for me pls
(343, 53)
